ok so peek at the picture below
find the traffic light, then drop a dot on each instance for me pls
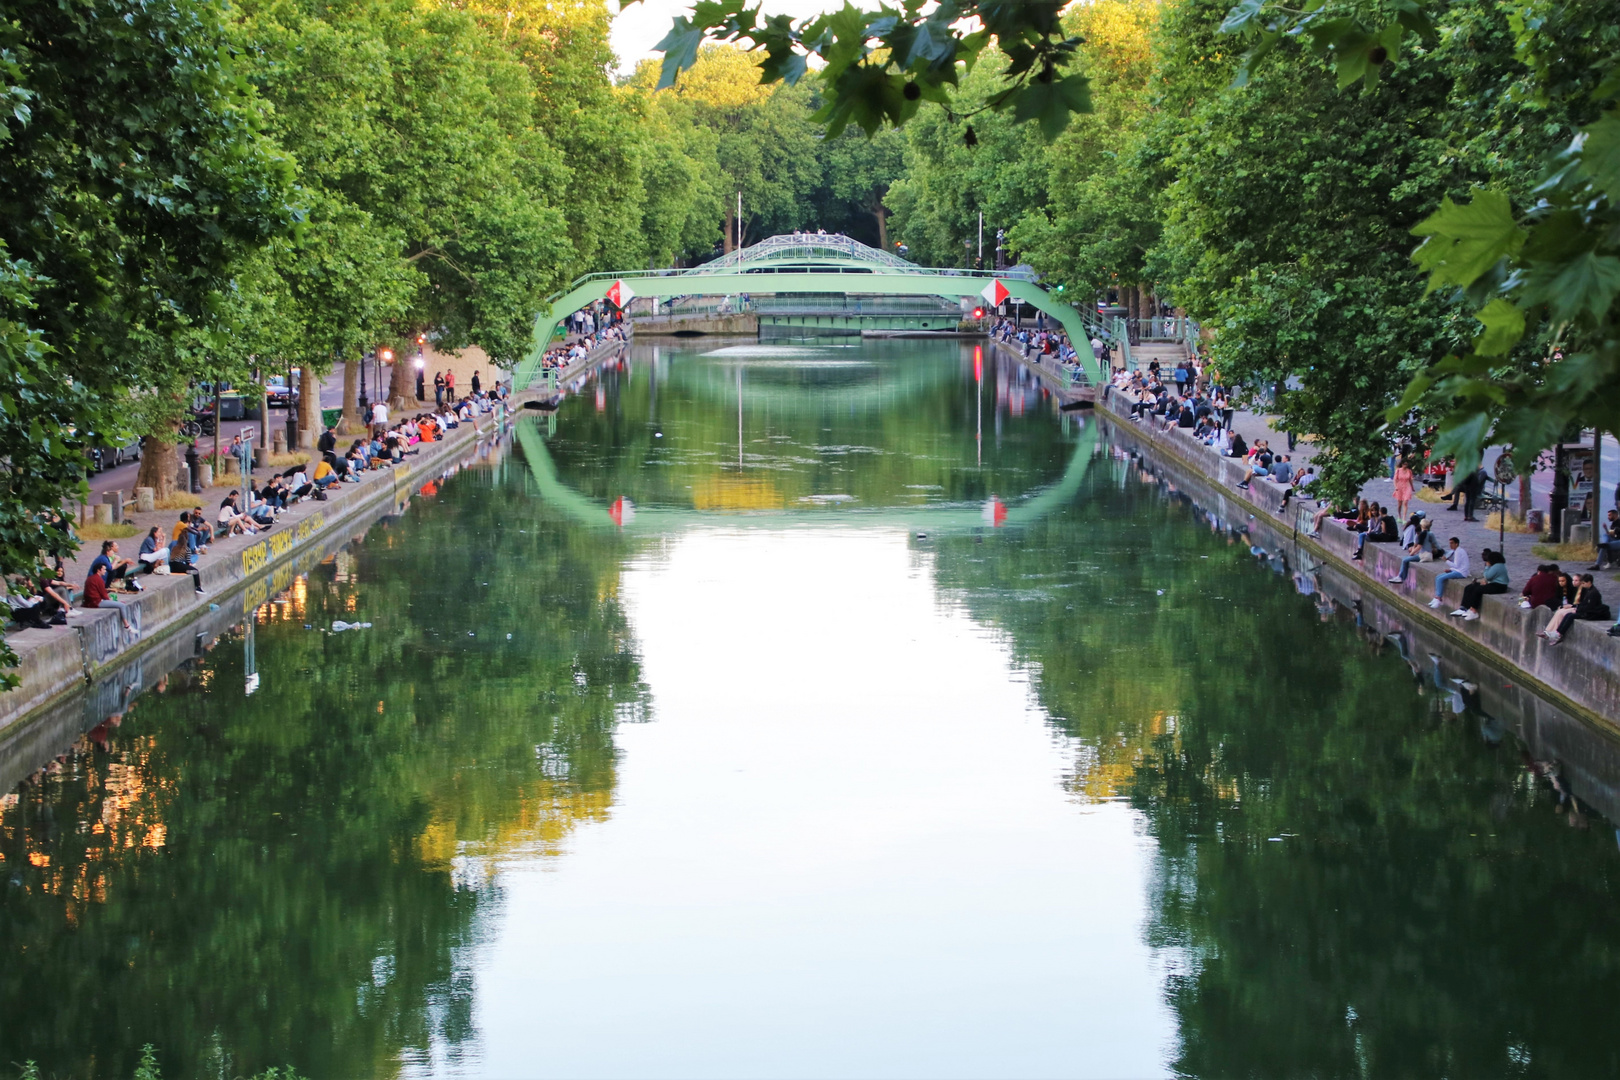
(978, 313)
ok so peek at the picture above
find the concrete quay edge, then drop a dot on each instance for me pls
(1581, 674)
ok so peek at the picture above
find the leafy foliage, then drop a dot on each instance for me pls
(878, 67)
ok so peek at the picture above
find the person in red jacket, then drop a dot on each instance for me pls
(1542, 588)
(96, 596)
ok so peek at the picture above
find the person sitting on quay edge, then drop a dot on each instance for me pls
(1494, 580)
(96, 595)
(1412, 537)
(187, 539)
(153, 549)
(1380, 527)
(116, 567)
(232, 521)
(1585, 606)
(1542, 590)
(325, 476)
(46, 604)
(1456, 569)
(1301, 484)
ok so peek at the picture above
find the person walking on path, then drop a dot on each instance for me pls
(1403, 487)
(1456, 569)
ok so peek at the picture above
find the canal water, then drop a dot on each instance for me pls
(814, 709)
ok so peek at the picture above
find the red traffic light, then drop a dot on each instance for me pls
(978, 313)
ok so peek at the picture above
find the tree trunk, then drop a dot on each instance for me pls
(351, 397)
(731, 232)
(881, 214)
(159, 462)
(309, 407)
(401, 388)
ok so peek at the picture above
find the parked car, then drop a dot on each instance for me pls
(106, 455)
(279, 393)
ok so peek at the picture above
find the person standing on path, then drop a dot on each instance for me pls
(1403, 487)
(242, 447)
(1468, 489)
(438, 389)
(421, 385)
(379, 413)
(476, 384)
(450, 385)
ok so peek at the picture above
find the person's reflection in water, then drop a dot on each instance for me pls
(1403, 649)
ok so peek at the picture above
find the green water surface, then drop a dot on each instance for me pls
(714, 727)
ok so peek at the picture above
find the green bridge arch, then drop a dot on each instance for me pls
(806, 263)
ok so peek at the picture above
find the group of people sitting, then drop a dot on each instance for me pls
(44, 600)
(1038, 340)
(1571, 598)
(559, 358)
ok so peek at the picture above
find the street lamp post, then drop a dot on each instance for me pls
(365, 402)
(384, 356)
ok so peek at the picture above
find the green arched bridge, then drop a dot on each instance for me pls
(805, 263)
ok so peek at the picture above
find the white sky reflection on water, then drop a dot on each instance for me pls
(841, 847)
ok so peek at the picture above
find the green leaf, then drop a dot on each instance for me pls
(1504, 327)
(680, 49)
(1464, 434)
(1467, 239)
(1051, 104)
(1600, 155)
(1414, 393)
(1243, 17)
(1583, 285)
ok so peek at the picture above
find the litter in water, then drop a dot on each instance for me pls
(338, 626)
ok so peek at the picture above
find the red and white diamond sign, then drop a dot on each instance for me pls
(620, 293)
(995, 293)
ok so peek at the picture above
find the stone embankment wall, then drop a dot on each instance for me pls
(1477, 681)
(74, 677)
(239, 573)
(1580, 673)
